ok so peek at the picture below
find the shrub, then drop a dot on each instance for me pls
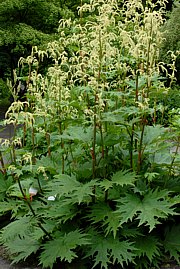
(172, 39)
(4, 93)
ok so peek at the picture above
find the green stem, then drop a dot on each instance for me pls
(174, 157)
(140, 151)
(94, 146)
(62, 147)
(2, 163)
(131, 147)
(137, 87)
(33, 145)
(13, 147)
(24, 134)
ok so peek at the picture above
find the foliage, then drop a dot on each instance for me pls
(4, 92)
(172, 241)
(27, 23)
(92, 175)
(172, 37)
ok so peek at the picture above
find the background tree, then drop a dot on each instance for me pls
(172, 38)
(26, 23)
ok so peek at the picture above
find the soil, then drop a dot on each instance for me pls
(4, 264)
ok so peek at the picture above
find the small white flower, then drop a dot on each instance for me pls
(51, 198)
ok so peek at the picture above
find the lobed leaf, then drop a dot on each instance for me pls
(149, 211)
(148, 246)
(22, 248)
(109, 250)
(172, 242)
(124, 178)
(62, 246)
(102, 214)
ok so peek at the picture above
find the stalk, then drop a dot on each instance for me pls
(24, 129)
(2, 163)
(33, 145)
(71, 154)
(13, 147)
(106, 148)
(140, 151)
(154, 118)
(95, 116)
(94, 149)
(174, 157)
(48, 143)
(31, 208)
(24, 134)
(133, 125)
(62, 147)
(137, 87)
(131, 147)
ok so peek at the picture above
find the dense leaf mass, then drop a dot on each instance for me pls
(93, 176)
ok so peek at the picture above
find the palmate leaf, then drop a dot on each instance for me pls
(106, 184)
(7, 207)
(62, 246)
(59, 210)
(103, 215)
(107, 250)
(172, 242)
(66, 186)
(149, 210)
(84, 192)
(5, 184)
(124, 178)
(119, 178)
(22, 248)
(62, 185)
(17, 229)
(76, 133)
(18, 238)
(148, 246)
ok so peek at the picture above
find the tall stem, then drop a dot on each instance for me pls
(2, 163)
(31, 208)
(140, 151)
(33, 145)
(131, 147)
(175, 155)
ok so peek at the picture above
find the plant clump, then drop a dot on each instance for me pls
(93, 180)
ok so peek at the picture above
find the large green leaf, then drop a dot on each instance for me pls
(149, 210)
(124, 178)
(107, 250)
(84, 192)
(62, 185)
(5, 184)
(102, 214)
(148, 246)
(172, 242)
(59, 210)
(18, 228)
(22, 248)
(62, 246)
